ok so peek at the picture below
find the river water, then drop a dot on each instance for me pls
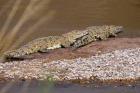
(76, 14)
(44, 87)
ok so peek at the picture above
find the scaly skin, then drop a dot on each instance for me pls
(73, 39)
(41, 44)
(105, 31)
(96, 33)
(44, 45)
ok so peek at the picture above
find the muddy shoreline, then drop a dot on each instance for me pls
(93, 49)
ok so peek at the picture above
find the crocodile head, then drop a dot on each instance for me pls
(116, 29)
(112, 30)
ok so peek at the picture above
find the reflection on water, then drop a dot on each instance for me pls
(78, 14)
(41, 87)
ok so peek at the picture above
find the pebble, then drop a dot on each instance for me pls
(118, 64)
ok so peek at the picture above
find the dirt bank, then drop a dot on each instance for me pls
(103, 61)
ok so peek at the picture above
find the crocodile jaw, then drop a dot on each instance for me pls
(118, 29)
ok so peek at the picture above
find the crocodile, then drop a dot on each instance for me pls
(73, 39)
(105, 31)
(37, 45)
(96, 33)
(44, 44)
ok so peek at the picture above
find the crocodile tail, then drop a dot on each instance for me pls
(18, 53)
(13, 54)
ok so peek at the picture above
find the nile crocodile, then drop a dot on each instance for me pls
(44, 44)
(73, 39)
(96, 33)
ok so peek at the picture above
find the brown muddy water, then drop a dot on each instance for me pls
(77, 14)
(69, 15)
(44, 87)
